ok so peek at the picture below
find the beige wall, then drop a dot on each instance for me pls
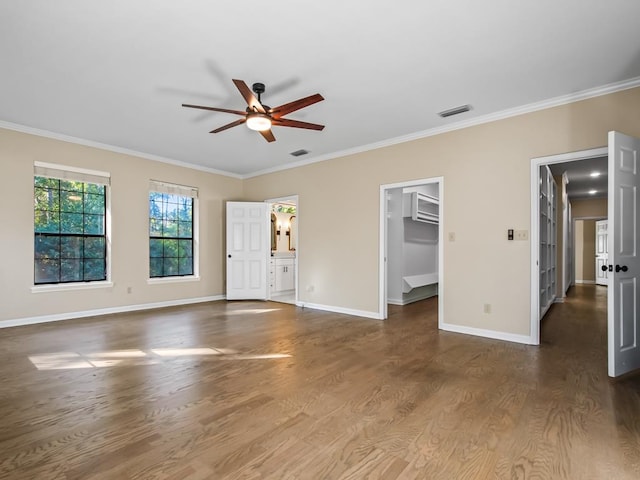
(589, 207)
(585, 251)
(129, 208)
(486, 172)
(486, 191)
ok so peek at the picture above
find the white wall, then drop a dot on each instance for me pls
(395, 246)
(420, 248)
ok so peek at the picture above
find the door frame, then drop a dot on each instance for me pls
(536, 163)
(383, 239)
(296, 276)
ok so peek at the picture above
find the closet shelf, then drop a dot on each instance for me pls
(414, 281)
(421, 207)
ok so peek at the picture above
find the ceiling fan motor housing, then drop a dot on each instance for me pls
(258, 88)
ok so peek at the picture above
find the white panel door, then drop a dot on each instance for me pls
(248, 250)
(624, 261)
(602, 255)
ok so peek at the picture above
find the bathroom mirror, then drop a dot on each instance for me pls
(292, 232)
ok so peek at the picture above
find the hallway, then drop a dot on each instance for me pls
(579, 325)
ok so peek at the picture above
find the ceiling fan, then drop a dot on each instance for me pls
(261, 117)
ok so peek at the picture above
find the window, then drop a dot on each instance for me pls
(70, 241)
(171, 230)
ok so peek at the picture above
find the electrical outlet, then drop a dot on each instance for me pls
(310, 288)
(129, 289)
(521, 234)
(487, 308)
(452, 236)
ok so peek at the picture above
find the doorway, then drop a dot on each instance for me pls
(623, 214)
(282, 285)
(411, 260)
(587, 262)
(563, 257)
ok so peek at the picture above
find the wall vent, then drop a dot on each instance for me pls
(455, 111)
(299, 153)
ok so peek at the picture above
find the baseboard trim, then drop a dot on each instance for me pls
(105, 311)
(586, 282)
(346, 311)
(493, 334)
(406, 301)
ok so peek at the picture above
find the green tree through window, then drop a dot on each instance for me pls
(69, 231)
(170, 235)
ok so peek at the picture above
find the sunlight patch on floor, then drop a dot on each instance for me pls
(135, 357)
(250, 311)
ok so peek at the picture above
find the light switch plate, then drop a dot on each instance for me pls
(521, 234)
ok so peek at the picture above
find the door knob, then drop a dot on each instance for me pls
(229, 255)
(623, 268)
(604, 268)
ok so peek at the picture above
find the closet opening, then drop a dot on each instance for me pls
(411, 260)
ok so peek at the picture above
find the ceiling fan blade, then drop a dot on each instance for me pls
(249, 97)
(282, 110)
(268, 135)
(214, 109)
(285, 122)
(229, 125)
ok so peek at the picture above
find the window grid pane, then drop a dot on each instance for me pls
(170, 235)
(69, 231)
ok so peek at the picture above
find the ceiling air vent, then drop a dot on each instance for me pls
(299, 153)
(454, 111)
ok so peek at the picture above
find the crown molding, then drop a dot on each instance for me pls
(112, 148)
(492, 117)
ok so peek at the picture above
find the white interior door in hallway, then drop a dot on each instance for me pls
(602, 256)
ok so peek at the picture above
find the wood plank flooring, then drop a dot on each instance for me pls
(261, 390)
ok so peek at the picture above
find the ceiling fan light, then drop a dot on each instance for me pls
(258, 122)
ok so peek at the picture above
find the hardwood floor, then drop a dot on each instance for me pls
(267, 390)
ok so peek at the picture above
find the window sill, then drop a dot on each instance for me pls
(160, 280)
(63, 287)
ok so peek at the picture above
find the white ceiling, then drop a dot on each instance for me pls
(116, 72)
(581, 182)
